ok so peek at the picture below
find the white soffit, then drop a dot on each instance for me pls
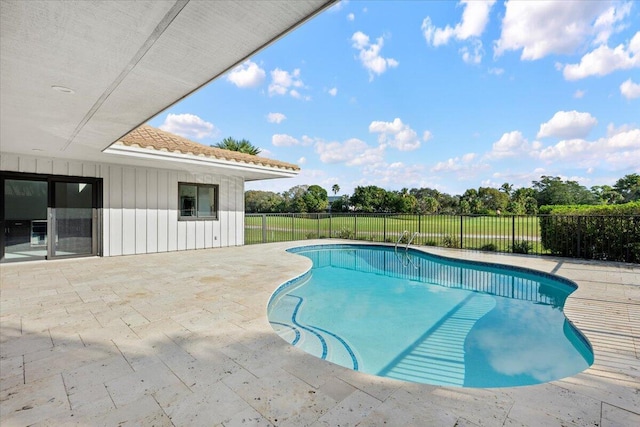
(125, 61)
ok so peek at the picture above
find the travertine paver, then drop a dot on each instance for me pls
(182, 339)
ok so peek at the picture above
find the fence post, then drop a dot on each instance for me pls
(461, 230)
(318, 218)
(293, 226)
(513, 232)
(330, 235)
(355, 226)
(384, 229)
(578, 255)
(264, 228)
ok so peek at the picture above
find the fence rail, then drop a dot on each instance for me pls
(515, 234)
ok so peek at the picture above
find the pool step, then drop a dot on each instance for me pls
(315, 340)
(437, 357)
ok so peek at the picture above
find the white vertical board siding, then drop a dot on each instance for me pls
(141, 211)
(128, 192)
(240, 212)
(140, 205)
(163, 211)
(152, 211)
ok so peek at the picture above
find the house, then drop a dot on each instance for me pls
(79, 174)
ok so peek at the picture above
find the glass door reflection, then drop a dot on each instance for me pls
(72, 219)
(25, 219)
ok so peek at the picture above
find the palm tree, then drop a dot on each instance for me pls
(242, 146)
(335, 188)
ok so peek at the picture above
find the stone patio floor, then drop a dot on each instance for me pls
(182, 339)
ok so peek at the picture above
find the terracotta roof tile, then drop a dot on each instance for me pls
(151, 138)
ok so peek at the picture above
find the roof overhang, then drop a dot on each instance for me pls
(138, 156)
(123, 61)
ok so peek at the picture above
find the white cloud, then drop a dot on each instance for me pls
(469, 157)
(351, 17)
(276, 117)
(608, 22)
(353, 152)
(473, 56)
(188, 126)
(283, 82)
(509, 144)
(456, 164)
(603, 60)
(427, 135)
(333, 91)
(541, 28)
(264, 152)
(307, 140)
(394, 175)
(619, 150)
(474, 20)
(496, 71)
(568, 124)
(630, 90)
(302, 160)
(284, 140)
(395, 134)
(248, 74)
(579, 94)
(369, 54)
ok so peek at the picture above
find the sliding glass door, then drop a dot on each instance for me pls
(72, 219)
(48, 216)
(25, 219)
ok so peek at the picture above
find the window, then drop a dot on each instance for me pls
(197, 201)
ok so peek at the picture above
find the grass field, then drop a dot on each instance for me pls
(495, 233)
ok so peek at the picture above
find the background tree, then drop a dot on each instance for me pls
(606, 194)
(493, 199)
(242, 146)
(335, 188)
(629, 187)
(341, 204)
(427, 205)
(315, 199)
(551, 190)
(263, 201)
(294, 199)
(507, 188)
(472, 202)
(368, 199)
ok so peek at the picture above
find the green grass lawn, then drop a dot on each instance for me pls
(477, 232)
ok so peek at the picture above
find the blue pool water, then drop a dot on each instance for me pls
(429, 319)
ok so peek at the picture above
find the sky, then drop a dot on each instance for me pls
(445, 95)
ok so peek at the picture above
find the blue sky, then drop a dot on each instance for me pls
(447, 95)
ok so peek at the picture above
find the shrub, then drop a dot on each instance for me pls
(609, 232)
(311, 235)
(450, 241)
(431, 243)
(521, 247)
(345, 233)
(489, 247)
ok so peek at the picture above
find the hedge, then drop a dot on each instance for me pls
(603, 232)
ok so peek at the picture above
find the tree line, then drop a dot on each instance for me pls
(549, 190)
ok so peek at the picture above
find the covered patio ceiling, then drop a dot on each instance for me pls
(77, 76)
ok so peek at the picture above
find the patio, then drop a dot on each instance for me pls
(182, 339)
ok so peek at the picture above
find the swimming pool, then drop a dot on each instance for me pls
(424, 318)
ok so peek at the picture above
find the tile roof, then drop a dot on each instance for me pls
(151, 138)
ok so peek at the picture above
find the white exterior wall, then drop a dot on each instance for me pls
(140, 205)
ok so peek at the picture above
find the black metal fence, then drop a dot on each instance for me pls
(515, 234)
